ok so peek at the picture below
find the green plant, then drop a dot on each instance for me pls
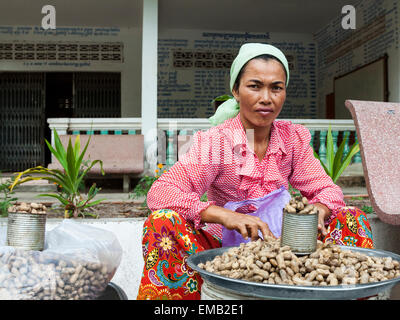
(6, 196)
(69, 181)
(335, 166)
(367, 209)
(144, 184)
(357, 198)
(215, 103)
(222, 98)
(293, 192)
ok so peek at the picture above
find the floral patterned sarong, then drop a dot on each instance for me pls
(168, 240)
(349, 226)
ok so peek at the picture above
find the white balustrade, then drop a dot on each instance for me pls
(169, 129)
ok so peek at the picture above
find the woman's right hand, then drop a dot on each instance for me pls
(246, 225)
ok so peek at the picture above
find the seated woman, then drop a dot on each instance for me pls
(247, 155)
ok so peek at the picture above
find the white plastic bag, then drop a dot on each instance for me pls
(77, 263)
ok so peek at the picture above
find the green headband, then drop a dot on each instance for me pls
(248, 51)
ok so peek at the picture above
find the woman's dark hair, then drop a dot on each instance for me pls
(265, 57)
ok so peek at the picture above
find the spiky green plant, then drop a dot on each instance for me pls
(7, 197)
(335, 165)
(69, 180)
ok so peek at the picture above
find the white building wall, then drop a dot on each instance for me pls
(333, 38)
(187, 90)
(130, 67)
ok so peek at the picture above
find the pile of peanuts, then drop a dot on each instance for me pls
(31, 275)
(24, 207)
(300, 205)
(267, 262)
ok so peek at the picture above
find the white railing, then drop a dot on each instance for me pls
(62, 125)
(169, 129)
(66, 125)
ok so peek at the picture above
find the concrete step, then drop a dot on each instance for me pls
(354, 191)
(352, 176)
(42, 187)
(31, 186)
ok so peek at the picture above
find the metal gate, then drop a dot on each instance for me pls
(97, 94)
(23, 117)
(22, 114)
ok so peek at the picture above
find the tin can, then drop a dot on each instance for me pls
(300, 231)
(26, 230)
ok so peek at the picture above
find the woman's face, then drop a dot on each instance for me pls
(261, 93)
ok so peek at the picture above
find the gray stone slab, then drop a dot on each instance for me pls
(378, 132)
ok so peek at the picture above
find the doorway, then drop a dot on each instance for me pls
(29, 99)
(59, 104)
(22, 120)
(81, 95)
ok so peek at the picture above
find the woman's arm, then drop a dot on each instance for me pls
(246, 225)
(309, 177)
(180, 195)
(182, 186)
(177, 191)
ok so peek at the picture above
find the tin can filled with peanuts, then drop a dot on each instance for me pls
(300, 226)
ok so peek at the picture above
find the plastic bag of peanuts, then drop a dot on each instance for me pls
(77, 264)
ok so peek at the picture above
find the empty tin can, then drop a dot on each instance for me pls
(26, 230)
(300, 231)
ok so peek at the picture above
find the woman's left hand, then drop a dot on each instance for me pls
(323, 215)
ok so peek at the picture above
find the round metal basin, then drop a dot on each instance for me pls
(256, 290)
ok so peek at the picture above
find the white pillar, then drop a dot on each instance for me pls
(149, 82)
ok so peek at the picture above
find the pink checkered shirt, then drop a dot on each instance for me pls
(221, 163)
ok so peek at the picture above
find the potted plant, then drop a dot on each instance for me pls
(69, 181)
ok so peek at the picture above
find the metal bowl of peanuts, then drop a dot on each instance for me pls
(264, 269)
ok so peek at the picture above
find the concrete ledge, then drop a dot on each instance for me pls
(386, 236)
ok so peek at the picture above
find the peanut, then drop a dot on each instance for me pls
(300, 205)
(265, 261)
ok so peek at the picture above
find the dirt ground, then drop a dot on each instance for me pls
(359, 203)
(127, 209)
(133, 209)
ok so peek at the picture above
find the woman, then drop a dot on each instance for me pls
(247, 155)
